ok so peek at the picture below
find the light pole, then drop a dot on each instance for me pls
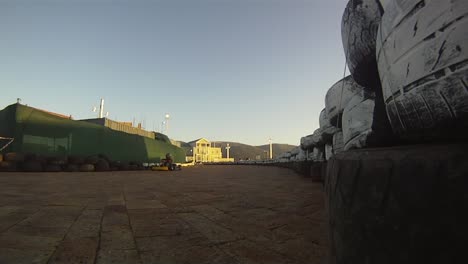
(163, 124)
(101, 109)
(271, 149)
(227, 150)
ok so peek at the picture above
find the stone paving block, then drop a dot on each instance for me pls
(96, 204)
(112, 256)
(79, 251)
(204, 197)
(251, 253)
(6, 210)
(144, 204)
(18, 209)
(234, 205)
(117, 237)
(40, 231)
(140, 195)
(11, 219)
(149, 215)
(20, 241)
(22, 256)
(67, 201)
(54, 216)
(256, 215)
(195, 254)
(245, 229)
(153, 211)
(172, 227)
(111, 202)
(209, 212)
(310, 230)
(170, 243)
(88, 224)
(214, 232)
(274, 220)
(182, 209)
(293, 249)
(115, 215)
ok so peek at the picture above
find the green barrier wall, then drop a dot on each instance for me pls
(39, 132)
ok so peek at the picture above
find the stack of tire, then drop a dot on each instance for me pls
(397, 193)
(11, 162)
(315, 144)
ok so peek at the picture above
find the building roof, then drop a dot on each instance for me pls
(51, 113)
(193, 142)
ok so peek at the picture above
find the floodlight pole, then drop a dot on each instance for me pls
(101, 109)
(271, 149)
(227, 150)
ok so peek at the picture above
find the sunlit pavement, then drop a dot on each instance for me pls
(205, 214)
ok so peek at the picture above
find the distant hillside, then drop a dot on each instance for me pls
(277, 148)
(243, 151)
(240, 151)
(184, 145)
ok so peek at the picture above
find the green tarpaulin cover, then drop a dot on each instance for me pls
(40, 132)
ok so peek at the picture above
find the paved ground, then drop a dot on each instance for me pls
(209, 214)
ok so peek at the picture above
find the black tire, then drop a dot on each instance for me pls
(357, 125)
(53, 168)
(342, 94)
(324, 121)
(7, 166)
(133, 167)
(363, 127)
(328, 151)
(422, 53)
(32, 166)
(72, 168)
(102, 165)
(124, 166)
(338, 144)
(30, 157)
(92, 159)
(318, 153)
(104, 157)
(60, 160)
(399, 205)
(76, 160)
(315, 171)
(87, 167)
(13, 157)
(359, 27)
(327, 130)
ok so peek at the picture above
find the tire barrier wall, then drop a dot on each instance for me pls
(398, 205)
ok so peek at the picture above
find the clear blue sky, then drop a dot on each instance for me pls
(233, 70)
